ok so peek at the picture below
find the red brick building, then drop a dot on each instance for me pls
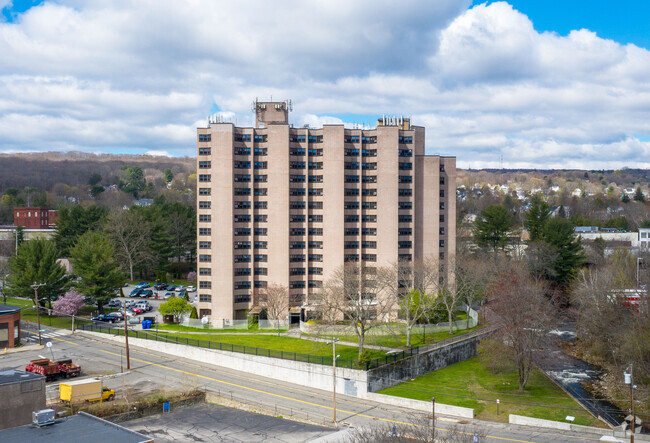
(9, 326)
(35, 218)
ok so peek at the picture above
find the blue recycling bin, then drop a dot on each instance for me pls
(146, 324)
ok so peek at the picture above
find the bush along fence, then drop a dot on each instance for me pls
(250, 350)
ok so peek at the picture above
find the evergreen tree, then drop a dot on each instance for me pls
(491, 228)
(536, 217)
(36, 262)
(570, 255)
(75, 221)
(638, 195)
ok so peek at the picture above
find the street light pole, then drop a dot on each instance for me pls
(126, 339)
(433, 419)
(334, 340)
(35, 287)
(629, 379)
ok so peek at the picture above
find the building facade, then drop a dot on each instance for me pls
(289, 206)
(35, 218)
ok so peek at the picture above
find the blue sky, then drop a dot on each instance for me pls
(545, 84)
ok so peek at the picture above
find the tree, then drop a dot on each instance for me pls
(69, 303)
(92, 259)
(625, 198)
(36, 262)
(491, 228)
(176, 307)
(275, 299)
(95, 190)
(131, 234)
(523, 316)
(132, 180)
(638, 195)
(94, 179)
(75, 221)
(360, 294)
(4, 273)
(536, 217)
(471, 277)
(168, 175)
(570, 255)
(191, 276)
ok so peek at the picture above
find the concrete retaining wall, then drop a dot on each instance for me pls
(540, 423)
(420, 364)
(420, 405)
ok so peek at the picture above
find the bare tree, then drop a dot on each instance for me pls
(524, 316)
(362, 295)
(275, 299)
(472, 275)
(131, 234)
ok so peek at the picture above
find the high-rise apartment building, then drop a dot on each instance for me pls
(289, 206)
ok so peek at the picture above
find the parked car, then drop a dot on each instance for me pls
(117, 314)
(171, 288)
(169, 295)
(105, 317)
(136, 293)
(181, 294)
(144, 304)
(180, 288)
(134, 311)
(191, 289)
(146, 293)
(160, 286)
(129, 303)
(143, 285)
(114, 303)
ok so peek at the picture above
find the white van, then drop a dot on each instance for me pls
(144, 305)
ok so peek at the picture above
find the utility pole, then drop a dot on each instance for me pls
(334, 340)
(35, 287)
(126, 339)
(629, 380)
(433, 419)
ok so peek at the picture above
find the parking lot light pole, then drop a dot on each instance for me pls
(35, 287)
(334, 340)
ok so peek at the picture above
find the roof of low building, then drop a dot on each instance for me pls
(82, 427)
(11, 376)
(7, 309)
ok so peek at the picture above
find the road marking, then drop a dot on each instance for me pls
(47, 336)
(303, 401)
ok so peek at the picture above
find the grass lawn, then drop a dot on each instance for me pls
(250, 330)
(471, 384)
(399, 340)
(28, 313)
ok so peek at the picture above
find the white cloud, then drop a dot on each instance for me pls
(117, 75)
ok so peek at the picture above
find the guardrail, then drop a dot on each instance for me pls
(251, 350)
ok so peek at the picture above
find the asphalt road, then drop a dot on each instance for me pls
(156, 372)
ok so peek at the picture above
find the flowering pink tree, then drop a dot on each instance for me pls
(191, 276)
(69, 303)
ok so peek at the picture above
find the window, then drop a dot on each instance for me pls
(296, 284)
(369, 192)
(205, 285)
(369, 152)
(261, 271)
(297, 245)
(442, 243)
(369, 257)
(369, 218)
(260, 191)
(442, 218)
(260, 205)
(315, 205)
(242, 258)
(369, 244)
(352, 152)
(405, 179)
(205, 245)
(315, 139)
(204, 178)
(351, 257)
(261, 258)
(205, 191)
(351, 205)
(259, 165)
(405, 257)
(296, 258)
(205, 271)
(315, 271)
(297, 191)
(315, 231)
(242, 137)
(315, 284)
(297, 165)
(242, 285)
(405, 152)
(260, 151)
(242, 245)
(315, 244)
(442, 231)
(296, 138)
(294, 218)
(238, 232)
(351, 218)
(351, 245)
(297, 178)
(315, 218)
(242, 205)
(352, 179)
(241, 164)
(242, 191)
(260, 231)
(261, 218)
(405, 192)
(369, 205)
(369, 166)
(315, 179)
(315, 165)
(297, 151)
(242, 178)
(204, 205)
(205, 258)
(442, 180)
(442, 167)
(260, 138)
(404, 244)
(205, 165)
(242, 218)
(405, 166)
(297, 231)
(314, 152)
(370, 179)
(316, 192)
(260, 178)
(242, 151)
(205, 231)
(351, 139)
(205, 298)
(351, 165)
(204, 137)
(442, 206)
(405, 219)
(351, 231)
(406, 139)
(297, 271)
(242, 298)
(239, 272)
(205, 151)
(315, 257)
(297, 205)
(404, 231)
(351, 191)
(368, 231)
(405, 205)
(368, 139)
